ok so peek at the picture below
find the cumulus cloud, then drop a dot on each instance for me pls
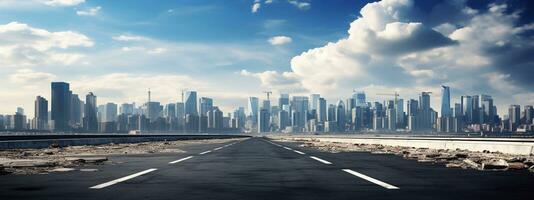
(280, 40)
(23, 45)
(395, 45)
(117, 87)
(29, 76)
(282, 82)
(303, 5)
(256, 6)
(89, 12)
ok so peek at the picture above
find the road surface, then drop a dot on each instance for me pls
(258, 168)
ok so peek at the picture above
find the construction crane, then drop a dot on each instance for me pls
(267, 93)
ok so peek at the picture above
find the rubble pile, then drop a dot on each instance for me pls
(62, 159)
(487, 161)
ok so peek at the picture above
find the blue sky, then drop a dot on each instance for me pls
(231, 49)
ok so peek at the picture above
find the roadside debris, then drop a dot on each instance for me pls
(458, 158)
(64, 159)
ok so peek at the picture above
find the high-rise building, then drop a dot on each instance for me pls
(314, 98)
(486, 114)
(206, 104)
(321, 110)
(514, 114)
(110, 113)
(126, 108)
(90, 121)
(263, 121)
(60, 109)
(283, 100)
(359, 97)
(529, 114)
(41, 113)
(445, 101)
(191, 103)
(340, 116)
(76, 111)
(467, 109)
(299, 110)
(252, 107)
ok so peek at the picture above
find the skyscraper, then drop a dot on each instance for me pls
(321, 110)
(340, 116)
(359, 98)
(283, 100)
(41, 113)
(514, 113)
(191, 103)
(76, 111)
(206, 104)
(445, 101)
(299, 108)
(60, 109)
(314, 98)
(90, 121)
(467, 109)
(252, 107)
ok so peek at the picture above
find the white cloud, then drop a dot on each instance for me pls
(281, 82)
(302, 5)
(89, 12)
(392, 46)
(255, 7)
(63, 2)
(23, 45)
(28, 76)
(126, 38)
(280, 40)
(117, 87)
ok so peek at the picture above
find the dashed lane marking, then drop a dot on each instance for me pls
(113, 182)
(320, 160)
(180, 160)
(205, 152)
(299, 152)
(372, 180)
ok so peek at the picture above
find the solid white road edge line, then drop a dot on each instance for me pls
(372, 180)
(321, 160)
(205, 152)
(299, 152)
(113, 182)
(288, 148)
(180, 160)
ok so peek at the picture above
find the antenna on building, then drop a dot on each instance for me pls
(148, 94)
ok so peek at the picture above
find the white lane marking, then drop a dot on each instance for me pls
(288, 148)
(180, 160)
(321, 160)
(372, 180)
(205, 152)
(217, 148)
(299, 152)
(113, 182)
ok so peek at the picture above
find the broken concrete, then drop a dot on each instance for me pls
(55, 158)
(457, 158)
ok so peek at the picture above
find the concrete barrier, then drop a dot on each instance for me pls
(503, 145)
(29, 142)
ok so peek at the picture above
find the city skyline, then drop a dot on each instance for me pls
(292, 114)
(281, 46)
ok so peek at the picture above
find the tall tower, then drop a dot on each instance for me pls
(445, 101)
(60, 106)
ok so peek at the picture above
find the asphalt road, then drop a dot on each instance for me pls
(257, 168)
